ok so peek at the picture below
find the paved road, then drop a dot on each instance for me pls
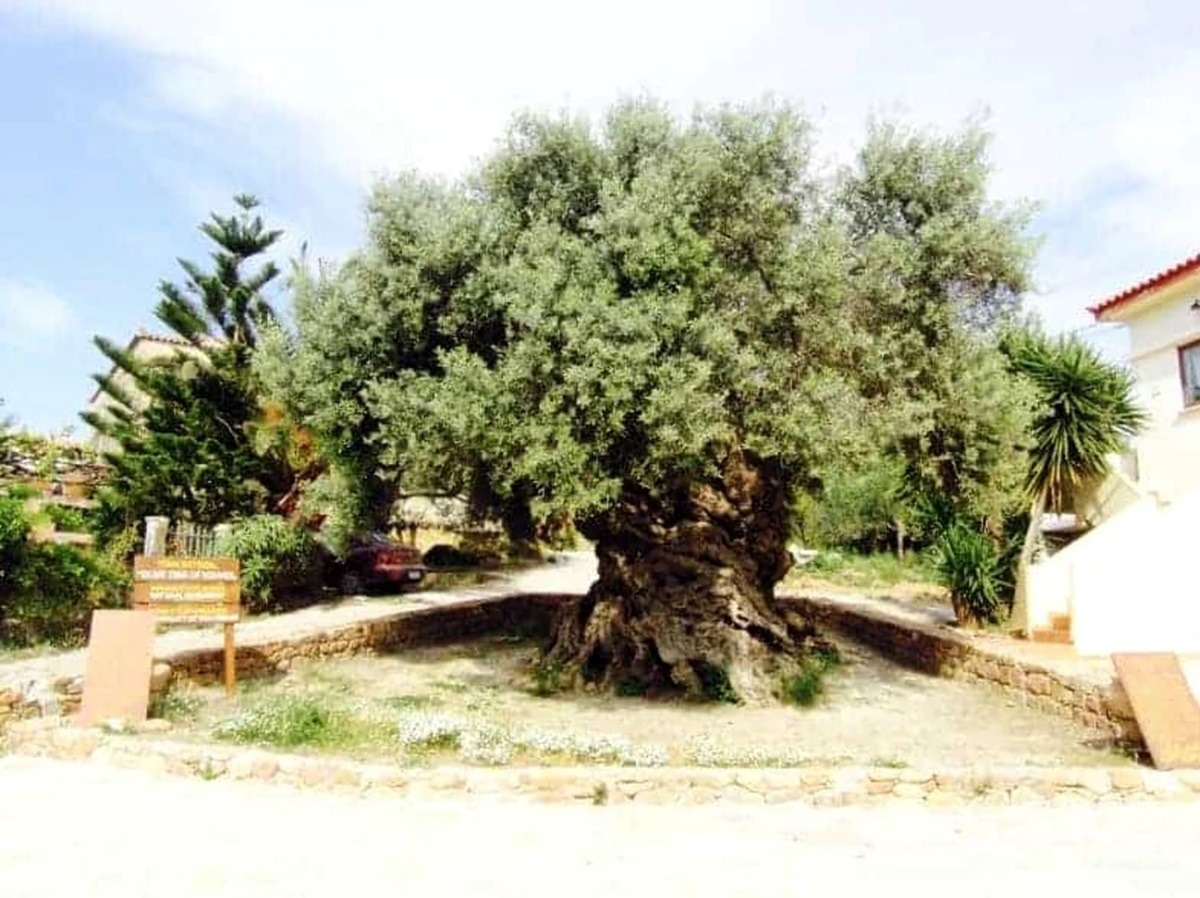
(75, 829)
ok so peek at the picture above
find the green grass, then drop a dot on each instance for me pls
(867, 571)
(301, 721)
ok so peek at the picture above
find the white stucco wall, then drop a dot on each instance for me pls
(1169, 451)
(1128, 585)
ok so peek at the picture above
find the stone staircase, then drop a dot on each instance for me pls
(1059, 630)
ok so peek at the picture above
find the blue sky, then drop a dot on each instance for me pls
(127, 121)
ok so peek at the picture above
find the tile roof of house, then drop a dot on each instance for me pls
(1186, 267)
(141, 335)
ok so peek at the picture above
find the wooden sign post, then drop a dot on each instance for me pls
(192, 591)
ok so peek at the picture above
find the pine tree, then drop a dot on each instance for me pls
(190, 428)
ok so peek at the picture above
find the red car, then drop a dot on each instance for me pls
(374, 561)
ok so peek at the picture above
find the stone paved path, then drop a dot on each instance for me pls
(571, 572)
(84, 830)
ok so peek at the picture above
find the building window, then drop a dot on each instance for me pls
(1189, 372)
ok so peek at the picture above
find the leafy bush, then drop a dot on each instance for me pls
(14, 535)
(856, 509)
(67, 519)
(20, 491)
(280, 562)
(56, 589)
(976, 572)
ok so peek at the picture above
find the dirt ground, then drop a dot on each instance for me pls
(872, 712)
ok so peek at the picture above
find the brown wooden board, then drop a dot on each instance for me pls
(1164, 706)
(188, 590)
(120, 655)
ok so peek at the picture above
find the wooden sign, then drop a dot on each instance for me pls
(120, 656)
(188, 590)
(182, 590)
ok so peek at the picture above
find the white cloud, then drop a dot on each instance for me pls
(1091, 102)
(31, 316)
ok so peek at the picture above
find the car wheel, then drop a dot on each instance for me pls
(352, 584)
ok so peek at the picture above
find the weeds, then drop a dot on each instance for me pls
(715, 685)
(177, 707)
(547, 680)
(804, 687)
(600, 794)
(290, 721)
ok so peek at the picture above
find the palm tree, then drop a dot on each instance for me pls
(1085, 412)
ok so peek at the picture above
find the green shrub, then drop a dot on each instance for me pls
(67, 519)
(14, 545)
(975, 571)
(56, 589)
(281, 564)
(20, 491)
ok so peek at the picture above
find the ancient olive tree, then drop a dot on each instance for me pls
(658, 328)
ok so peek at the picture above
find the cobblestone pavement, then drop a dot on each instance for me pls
(73, 830)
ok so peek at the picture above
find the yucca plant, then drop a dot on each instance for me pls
(974, 570)
(1086, 413)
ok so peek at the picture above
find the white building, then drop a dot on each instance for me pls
(1162, 316)
(146, 348)
(1129, 584)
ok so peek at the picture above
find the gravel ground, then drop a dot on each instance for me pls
(83, 830)
(873, 712)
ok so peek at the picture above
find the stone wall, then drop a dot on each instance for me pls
(815, 786)
(1102, 708)
(62, 697)
(943, 653)
(528, 614)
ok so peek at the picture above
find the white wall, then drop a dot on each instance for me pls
(1129, 585)
(1168, 450)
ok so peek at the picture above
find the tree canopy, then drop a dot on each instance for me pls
(190, 429)
(665, 329)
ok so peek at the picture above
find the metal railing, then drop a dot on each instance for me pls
(192, 541)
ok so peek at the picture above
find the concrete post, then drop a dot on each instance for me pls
(221, 531)
(156, 536)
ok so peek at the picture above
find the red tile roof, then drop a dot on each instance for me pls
(1159, 280)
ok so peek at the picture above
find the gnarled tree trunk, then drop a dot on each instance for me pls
(685, 598)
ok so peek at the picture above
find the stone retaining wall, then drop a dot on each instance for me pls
(816, 786)
(529, 614)
(62, 697)
(1104, 709)
(943, 653)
